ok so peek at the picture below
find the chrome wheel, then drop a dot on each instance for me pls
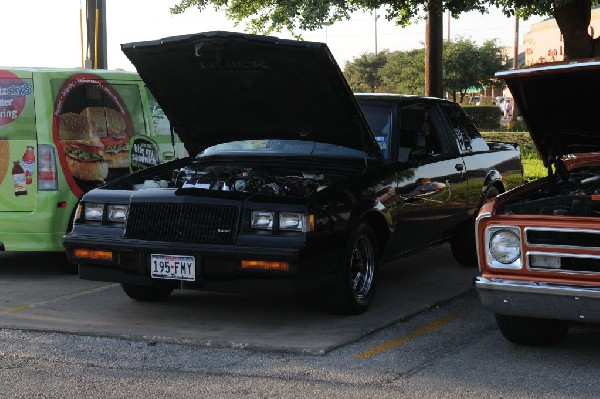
(353, 291)
(362, 267)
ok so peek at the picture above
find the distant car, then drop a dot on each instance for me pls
(289, 186)
(539, 245)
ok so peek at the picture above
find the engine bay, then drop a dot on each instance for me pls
(255, 179)
(574, 193)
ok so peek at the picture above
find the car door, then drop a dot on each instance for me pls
(431, 184)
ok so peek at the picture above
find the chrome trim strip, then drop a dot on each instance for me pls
(479, 217)
(536, 287)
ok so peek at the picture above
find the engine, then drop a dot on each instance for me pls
(247, 180)
(572, 195)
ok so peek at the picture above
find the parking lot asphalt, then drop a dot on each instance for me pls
(35, 296)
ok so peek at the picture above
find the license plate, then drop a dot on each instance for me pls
(173, 267)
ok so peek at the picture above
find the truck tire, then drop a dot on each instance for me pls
(353, 291)
(462, 243)
(529, 331)
(144, 293)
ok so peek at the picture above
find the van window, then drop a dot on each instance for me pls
(160, 122)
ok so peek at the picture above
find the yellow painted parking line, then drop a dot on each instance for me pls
(58, 299)
(434, 325)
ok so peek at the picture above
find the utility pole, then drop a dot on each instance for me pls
(96, 34)
(434, 38)
(516, 46)
(375, 18)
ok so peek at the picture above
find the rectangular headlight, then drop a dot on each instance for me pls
(93, 211)
(291, 221)
(262, 220)
(117, 213)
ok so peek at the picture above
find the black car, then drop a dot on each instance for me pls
(287, 187)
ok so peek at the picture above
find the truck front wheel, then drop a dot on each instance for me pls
(529, 331)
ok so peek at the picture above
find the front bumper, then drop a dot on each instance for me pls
(540, 300)
(218, 266)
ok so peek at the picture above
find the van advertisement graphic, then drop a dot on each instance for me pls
(92, 128)
(13, 96)
(17, 148)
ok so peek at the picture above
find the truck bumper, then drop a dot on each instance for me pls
(540, 300)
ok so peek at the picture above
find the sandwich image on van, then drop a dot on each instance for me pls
(64, 132)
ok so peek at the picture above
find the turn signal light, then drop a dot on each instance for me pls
(265, 265)
(92, 254)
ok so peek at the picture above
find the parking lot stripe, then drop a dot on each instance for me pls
(434, 325)
(58, 299)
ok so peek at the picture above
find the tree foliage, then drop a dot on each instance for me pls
(363, 73)
(266, 16)
(465, 65)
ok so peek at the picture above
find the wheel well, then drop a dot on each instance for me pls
(380, 227)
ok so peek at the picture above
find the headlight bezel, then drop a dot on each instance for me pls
(93, 212)
(114, 210)
(279, 221)
(495, 237)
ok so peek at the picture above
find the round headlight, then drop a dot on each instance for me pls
(505, 246)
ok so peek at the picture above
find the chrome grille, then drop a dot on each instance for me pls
(193, 223)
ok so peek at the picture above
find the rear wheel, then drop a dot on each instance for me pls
(529, 331)
(146, 293)
(463, 241)
(355, 286)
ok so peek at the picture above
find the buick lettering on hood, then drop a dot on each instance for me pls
(293, 184)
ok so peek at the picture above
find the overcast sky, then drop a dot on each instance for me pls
(47, 33)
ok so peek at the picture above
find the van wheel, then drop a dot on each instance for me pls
(462, 244)
(529, 331)
(355, 286)
(61, 262)
(145, 293)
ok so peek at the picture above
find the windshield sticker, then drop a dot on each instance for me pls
(143, 153)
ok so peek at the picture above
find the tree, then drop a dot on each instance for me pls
(403, 72)
(363, 72)
(266, 16)
(467, 65)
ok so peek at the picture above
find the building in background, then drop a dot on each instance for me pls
(544, 43)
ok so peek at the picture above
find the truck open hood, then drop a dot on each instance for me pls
(560, 104)
(217, 87)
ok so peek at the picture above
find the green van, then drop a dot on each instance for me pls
(64, 132)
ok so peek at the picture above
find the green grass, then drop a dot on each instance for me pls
(533, 167)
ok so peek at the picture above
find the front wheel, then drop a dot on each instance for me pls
(146, 293)
(529, 331)
(353, 292)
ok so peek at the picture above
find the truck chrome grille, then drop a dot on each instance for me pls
(569, 238)
(563, 246)
(193, 223)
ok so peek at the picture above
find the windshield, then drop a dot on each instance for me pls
(281, 147)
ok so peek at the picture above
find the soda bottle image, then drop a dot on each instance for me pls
(28, 162)
(19, 179)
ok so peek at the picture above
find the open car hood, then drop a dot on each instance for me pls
(560, 104)
(217, 87)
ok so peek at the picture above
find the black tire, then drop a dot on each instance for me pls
(355, 286)
(61, 262)
(145, 293)
(462, 243)
(529, 331)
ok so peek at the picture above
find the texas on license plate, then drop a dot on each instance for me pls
(173, 267)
